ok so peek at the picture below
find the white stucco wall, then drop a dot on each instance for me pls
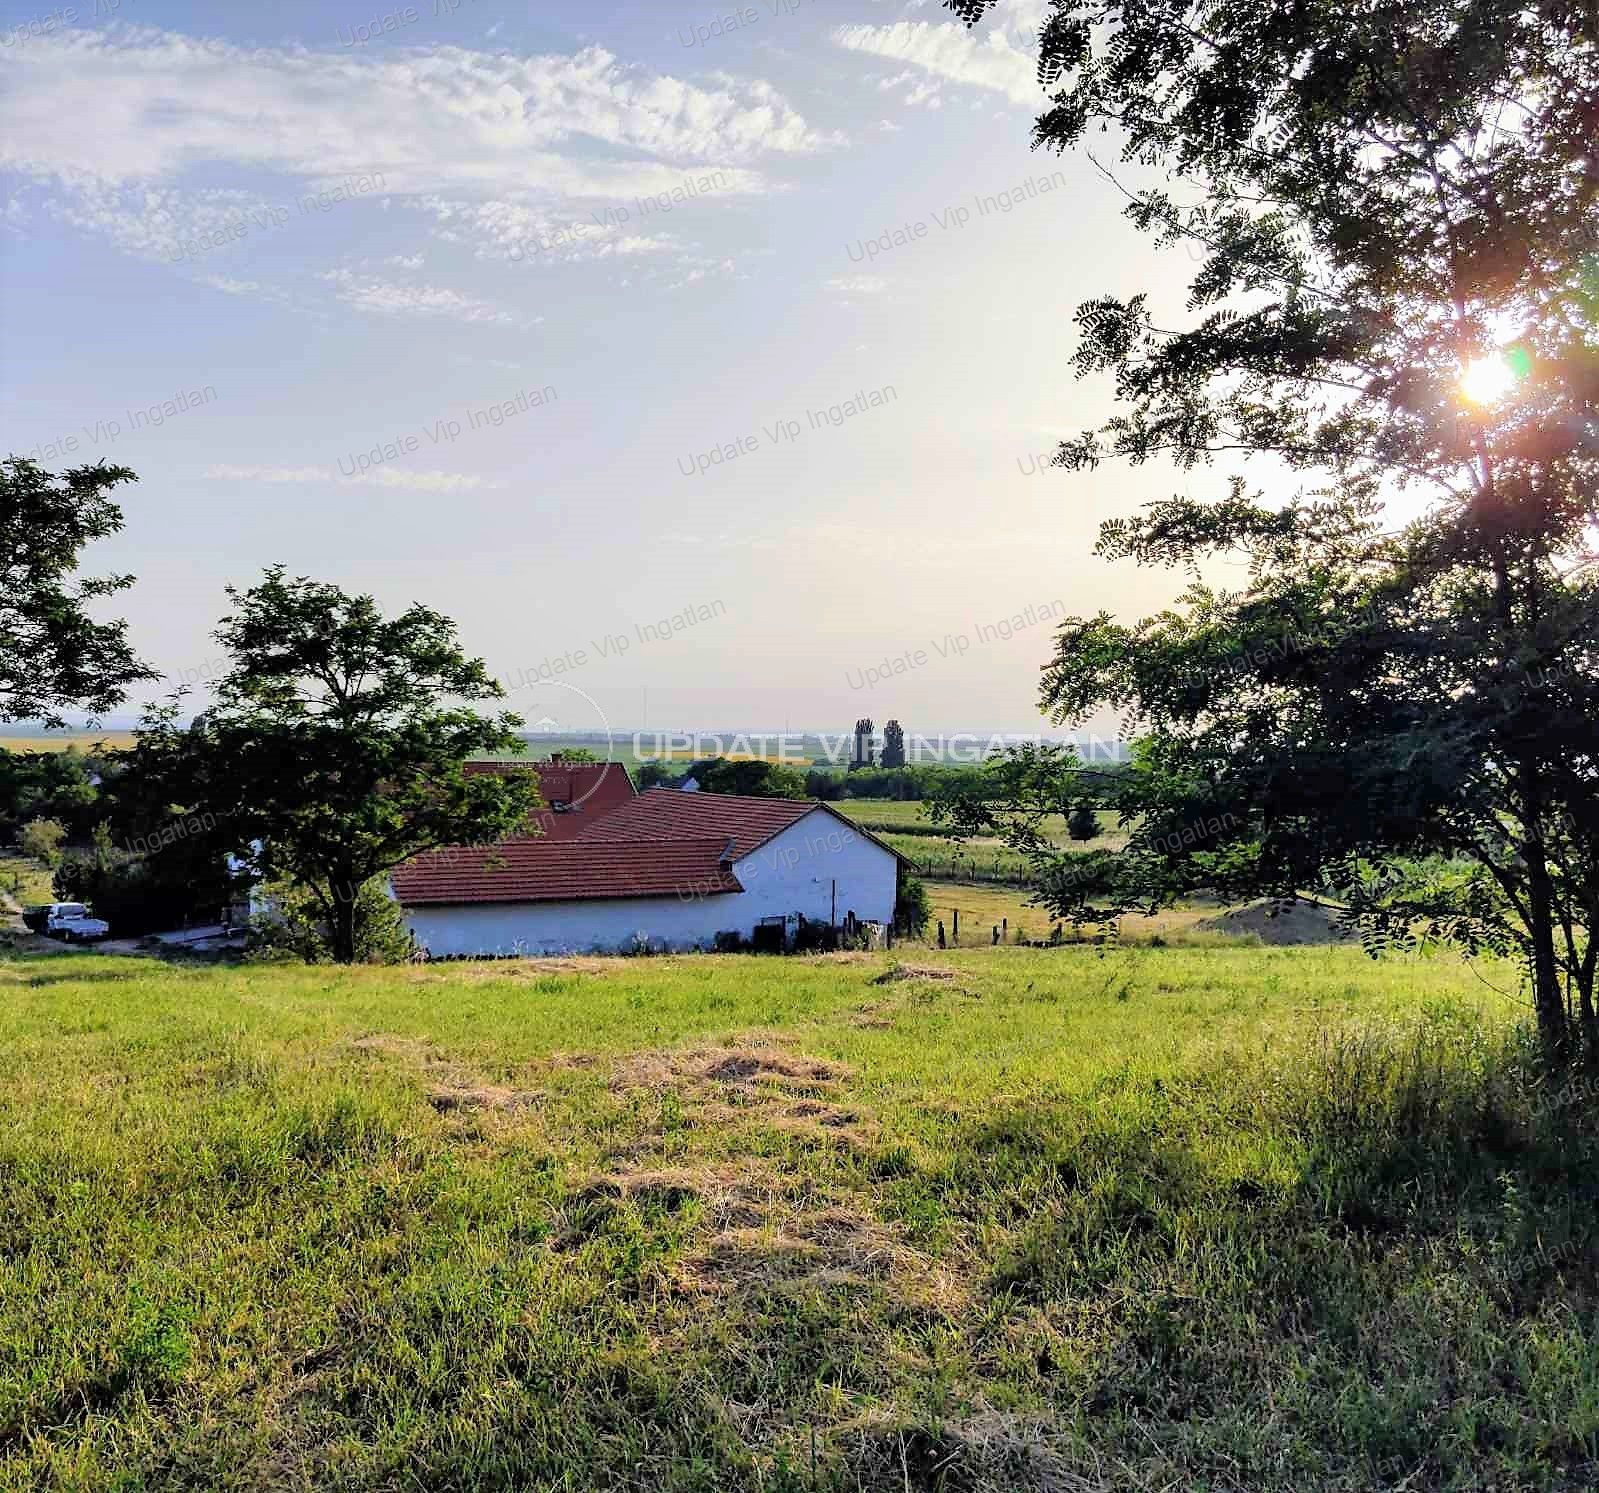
(793, 873)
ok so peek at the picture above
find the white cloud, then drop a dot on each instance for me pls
(253, 289)
(949, 51)
(858, 284)
(420, 481)
(391, 298)
(379, 477)
(536, 235)
(427, 120)
(504, 138)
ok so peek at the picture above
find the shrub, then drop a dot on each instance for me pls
(912, 909)
(41, 839)
(1083, 823)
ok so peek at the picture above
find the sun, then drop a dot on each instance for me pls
(1487, 380)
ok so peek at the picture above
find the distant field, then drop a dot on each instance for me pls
(908, 828)
(983, 905)
(907, 814)
(998, 1221)
(59, 742)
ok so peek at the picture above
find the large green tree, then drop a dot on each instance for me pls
(54, 656)
(1392, 207)
(336, 746)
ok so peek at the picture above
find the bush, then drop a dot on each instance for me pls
(41, 840)
(751, 779)
(1083, 823)
(912, 909)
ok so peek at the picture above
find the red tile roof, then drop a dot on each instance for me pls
(592, 789)
(529, 870)
(669, 813)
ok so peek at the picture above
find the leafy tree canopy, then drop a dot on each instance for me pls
(752, 779)
(1396, 299)
(54, 656)
(337, 743)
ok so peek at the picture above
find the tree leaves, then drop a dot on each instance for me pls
(54, 656)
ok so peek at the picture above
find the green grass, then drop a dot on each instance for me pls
(24, 880)
(1213, 1218)
(907, 826)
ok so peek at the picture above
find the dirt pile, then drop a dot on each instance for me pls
(1276, 923)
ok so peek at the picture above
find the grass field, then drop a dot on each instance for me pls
(908, 828)
(59, 741)
(983, 904)
(1182, 1218)
(25, 881)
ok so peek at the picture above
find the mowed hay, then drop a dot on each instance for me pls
(897, 972)
(754, 1080)
(758, 1229)
(475, 971)
(455, 1089)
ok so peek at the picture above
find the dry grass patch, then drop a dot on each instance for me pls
(988, 1452)
(475, 971)
(897, 972)
(455, 1088)
(764, 1231)
(448, 1100)
(754, 1080)
(747, 1066)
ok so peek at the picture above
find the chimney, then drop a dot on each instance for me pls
(557, 758)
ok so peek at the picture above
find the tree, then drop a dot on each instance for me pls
(913, 909)
(577, 754)
(824, 783)
(53, 655)
(52, 785)
(336, 746)
(655, 775)
(893, 745)
(749, 778)
(1397, 297)
(295, 927)
(1083, 823)
(41, 839)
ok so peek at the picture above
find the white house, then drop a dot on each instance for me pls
(663, 870)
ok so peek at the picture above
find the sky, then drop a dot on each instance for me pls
(702, 364)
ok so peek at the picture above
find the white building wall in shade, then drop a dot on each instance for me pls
(796, 873)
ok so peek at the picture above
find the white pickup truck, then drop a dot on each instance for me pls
(72, 923)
